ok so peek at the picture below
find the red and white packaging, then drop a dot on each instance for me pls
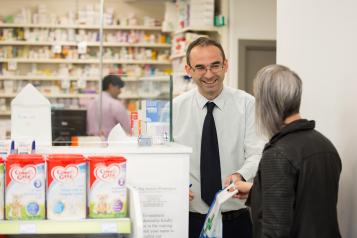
(66, 187)
(107, 190)
(25, 187)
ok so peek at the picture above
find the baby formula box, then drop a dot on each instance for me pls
(2, 187)
(25, 187)
(66, 187)
(107, 191)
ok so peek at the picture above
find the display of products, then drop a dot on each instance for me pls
(106, 187)
(25, 187)
(60, 192)
(64, 62)
(66, 187)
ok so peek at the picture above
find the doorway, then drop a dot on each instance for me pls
(252, 56)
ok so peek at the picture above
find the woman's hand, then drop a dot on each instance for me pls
(243, 189)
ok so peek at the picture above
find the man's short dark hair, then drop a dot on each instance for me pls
(203, 41)
(112, 79)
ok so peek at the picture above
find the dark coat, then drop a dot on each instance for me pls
(296, 187)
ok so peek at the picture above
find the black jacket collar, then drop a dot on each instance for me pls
(298, 125)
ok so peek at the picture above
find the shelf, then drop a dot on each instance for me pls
(197, 29)
(94, 44)
(106, 27)
(73, 78)
(84, 61)
(12, 95)
(5, 113)
(177, 56)
(147, 78)
(45, 78)
(120, 225)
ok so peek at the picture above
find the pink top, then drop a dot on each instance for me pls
(113, 112)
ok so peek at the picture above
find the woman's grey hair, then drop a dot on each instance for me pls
(277, 91)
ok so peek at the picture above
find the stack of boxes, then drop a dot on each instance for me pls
(195, 13)
(201, 13)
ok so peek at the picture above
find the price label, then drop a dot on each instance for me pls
(12, 65)
(56, 48)
(82, 47)
(28, 228)
(109, 227)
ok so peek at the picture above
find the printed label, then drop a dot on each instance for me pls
(65, 175)
(107, 173)
(25, 192)
(22, 175)
(107, 191)
(66, 192)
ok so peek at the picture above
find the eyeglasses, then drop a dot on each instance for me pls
(202, 69)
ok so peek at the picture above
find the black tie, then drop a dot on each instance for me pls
(210, 164)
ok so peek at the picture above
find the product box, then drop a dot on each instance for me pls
(107, 190)
(66, 187)
(156, 110)
(25, 187)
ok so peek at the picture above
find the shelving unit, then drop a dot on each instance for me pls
(84, 26)
(90, 44)
(77, 95)
(40, 39)
(83, 61)
(128, 225)
(89, 226)
(196, 29)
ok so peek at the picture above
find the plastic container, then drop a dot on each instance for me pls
(66, 187)
(25, 187)
(107, 190)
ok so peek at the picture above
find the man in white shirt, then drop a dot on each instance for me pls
(238, 144)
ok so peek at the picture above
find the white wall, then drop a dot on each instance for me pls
(252, 19)
(318, 40)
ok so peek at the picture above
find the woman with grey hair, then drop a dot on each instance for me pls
(294, 193)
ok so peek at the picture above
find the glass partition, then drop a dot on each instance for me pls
(66, 48)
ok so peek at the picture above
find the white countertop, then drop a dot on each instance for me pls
(122, 148)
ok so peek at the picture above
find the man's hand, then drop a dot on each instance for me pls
(191, 195)
(233, 178)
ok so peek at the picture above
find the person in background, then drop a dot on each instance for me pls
(295, 191)
(218, 123)
(112, 112)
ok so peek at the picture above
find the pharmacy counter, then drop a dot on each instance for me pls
(160, 175)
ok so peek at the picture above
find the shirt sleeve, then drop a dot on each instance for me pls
(253, 145)
(278, 178)
(122, 116)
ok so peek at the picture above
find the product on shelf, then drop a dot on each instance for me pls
(25, 187)
(60, 54)
(107, 190)
(195, 13)
(66, 187)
